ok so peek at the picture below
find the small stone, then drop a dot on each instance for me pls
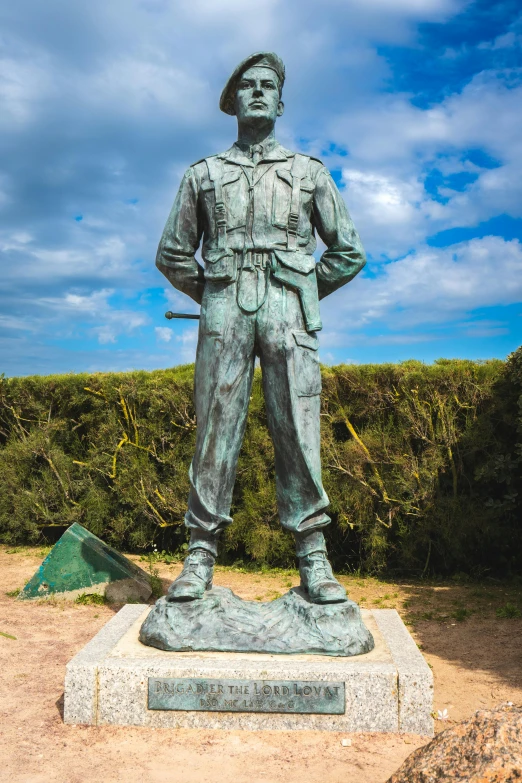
(346, 743)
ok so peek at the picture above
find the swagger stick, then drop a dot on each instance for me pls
(171, 315)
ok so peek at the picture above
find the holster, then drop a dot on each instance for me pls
(297, 271)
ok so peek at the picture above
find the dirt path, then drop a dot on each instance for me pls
(476, 659)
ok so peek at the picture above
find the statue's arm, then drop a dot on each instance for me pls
(344, 256)
(180, 240)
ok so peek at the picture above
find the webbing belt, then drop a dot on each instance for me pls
(215, 172)
(248, 259)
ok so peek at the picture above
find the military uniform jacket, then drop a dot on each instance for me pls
(274, 208)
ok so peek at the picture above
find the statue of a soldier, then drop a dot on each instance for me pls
(257, 208)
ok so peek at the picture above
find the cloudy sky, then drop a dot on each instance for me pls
(414, 105)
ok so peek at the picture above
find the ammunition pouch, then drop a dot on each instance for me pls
(220, 265)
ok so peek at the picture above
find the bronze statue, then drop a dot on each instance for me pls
(257, 208)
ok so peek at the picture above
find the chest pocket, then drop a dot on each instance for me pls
(234, 190)
(282, 202)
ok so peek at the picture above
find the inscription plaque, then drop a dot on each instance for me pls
(211, 695)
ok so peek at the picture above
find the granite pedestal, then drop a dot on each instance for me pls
(117, 680)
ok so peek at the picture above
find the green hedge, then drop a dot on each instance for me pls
(421, 463)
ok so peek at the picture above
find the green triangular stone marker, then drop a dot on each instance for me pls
(80, 562)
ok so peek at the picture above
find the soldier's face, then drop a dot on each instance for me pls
(257, 96)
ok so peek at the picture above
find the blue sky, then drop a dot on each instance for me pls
(414, 105)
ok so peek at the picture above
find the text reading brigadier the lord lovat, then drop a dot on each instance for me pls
(216, 695)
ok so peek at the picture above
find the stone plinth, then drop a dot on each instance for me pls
(389, 689)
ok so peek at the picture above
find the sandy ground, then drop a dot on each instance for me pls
(476, 659)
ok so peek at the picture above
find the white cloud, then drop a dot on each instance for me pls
(393, 129)
(394, 145)
(68, 314)
(179, 302)
(435, 285)
(393, 214)
(146, 86)
(189, 340)
(91, 257)
(25, 84)
(419, 9)
(105, 335)
(163, 333)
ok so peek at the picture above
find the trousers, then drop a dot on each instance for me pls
(230, 338)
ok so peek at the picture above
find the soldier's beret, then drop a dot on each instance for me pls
(261, 59)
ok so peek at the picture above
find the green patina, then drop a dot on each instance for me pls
(217, 695)
(79, 560)
(256, 211)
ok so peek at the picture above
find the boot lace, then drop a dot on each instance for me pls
(196, 563)
(320, 566)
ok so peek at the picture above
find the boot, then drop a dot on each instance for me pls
(196, 577)
(318, 580)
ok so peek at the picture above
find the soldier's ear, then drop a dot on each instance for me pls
(280, 108)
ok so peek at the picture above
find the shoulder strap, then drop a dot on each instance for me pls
(215, 172)
(298, 172)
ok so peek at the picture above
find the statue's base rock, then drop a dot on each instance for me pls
(118, 680)
(222, 622)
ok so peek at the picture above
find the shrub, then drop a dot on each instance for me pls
(421, 463)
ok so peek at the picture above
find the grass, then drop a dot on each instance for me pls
(156, 584)
(461, 614)
(90, 599)
(41, 551)
(7, 635)
(240, 567)
(508, 612)
(168, 558)
(13, 593)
